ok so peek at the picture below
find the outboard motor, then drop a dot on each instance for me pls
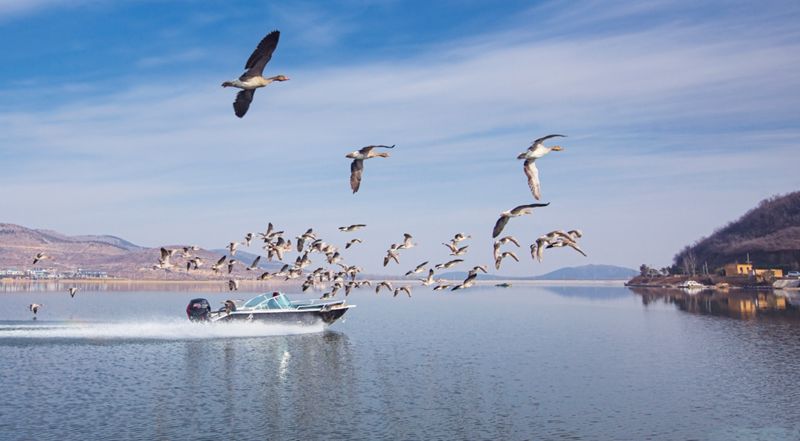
(198, 310)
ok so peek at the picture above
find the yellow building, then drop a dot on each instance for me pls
(746, 269)
(776, 273)
(738, 269)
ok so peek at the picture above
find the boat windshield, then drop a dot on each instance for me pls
(255, 301)
(282, 301)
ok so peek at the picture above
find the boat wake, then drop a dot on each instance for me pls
(150, 330)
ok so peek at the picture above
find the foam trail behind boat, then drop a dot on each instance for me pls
(151, 330)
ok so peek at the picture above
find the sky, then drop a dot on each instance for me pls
(679, 115)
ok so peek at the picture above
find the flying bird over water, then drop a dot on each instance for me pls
(358, 157)
(418, 269)
(449, 264)
(254, 265)
(534, 152)
(351, 228)
(514, 212)
(499, 259)
(383, 284)
(34, 308)
(467, 283)
(556, 239)
(40, 256)
(233, 285)
(406, 289)
(253, 78)
(72, 291)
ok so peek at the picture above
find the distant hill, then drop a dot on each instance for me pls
(113, 255)
(584, 272)
(590, 272)
(769, 233)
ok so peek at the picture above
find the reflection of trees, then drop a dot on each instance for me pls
(739, 303)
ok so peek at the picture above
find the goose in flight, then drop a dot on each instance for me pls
(499, 259)
(357, 166)
(351, 242)
(72, 291)
(233, 285)
(514, 212)
(477, 268)
(454, 250)
(217, 266)
(383, 284)
(406, 289)
(459, 237)
(254, 265)
(41, 256)
(391, 254)
(352, 228)
(534, 152)
(252, 79)
(428, 281)
(407, 242)
(468, 282)
(449, 264)
(418, 269)
(34, 308)
(307, 236)
(555, 239)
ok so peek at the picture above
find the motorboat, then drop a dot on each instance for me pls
(272, 308)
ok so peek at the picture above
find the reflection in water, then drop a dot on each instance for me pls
(279, 381)
(738, 304)
(594, 292)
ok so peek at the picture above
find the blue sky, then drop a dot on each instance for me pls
(680, 116)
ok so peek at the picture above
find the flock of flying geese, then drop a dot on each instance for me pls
(307, 244)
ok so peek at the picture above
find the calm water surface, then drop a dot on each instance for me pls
(528, 362)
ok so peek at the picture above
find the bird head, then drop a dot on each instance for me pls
(280, 78)
(557, 148)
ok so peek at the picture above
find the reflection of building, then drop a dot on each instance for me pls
(740, 304)
(746, 269)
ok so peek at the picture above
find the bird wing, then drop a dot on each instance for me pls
(545, 138)
(261, 56)
(243, 100)
(533, 178)
(255, 262)
(356, 168)
(575, 247)
(519, 208)
(499, 225)
(367, 149)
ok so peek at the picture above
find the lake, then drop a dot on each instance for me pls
(562, 362)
